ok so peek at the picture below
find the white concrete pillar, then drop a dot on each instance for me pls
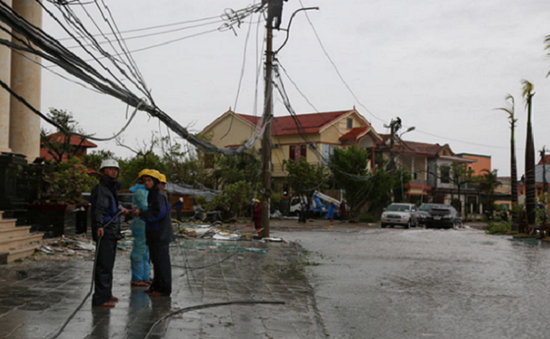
(5, 76)
(26, 81)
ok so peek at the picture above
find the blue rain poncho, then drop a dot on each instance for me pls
(140, 251)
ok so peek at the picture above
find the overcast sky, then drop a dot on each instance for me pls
(442, 66)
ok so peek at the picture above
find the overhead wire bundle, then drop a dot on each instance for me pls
(103, 79)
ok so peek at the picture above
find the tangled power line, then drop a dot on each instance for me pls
(103, 79)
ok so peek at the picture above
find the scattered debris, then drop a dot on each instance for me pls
(271, 239)
(217, 231)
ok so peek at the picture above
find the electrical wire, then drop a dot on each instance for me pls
(279, 85)
(45, 46)
(60, 127)
(203, 306)
(243, 67)
(336, 67)
(186, 267)
(154, 34)
(91, 283)
(153, 27)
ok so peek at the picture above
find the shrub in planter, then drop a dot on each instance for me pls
(501, 227)
(65, 185)
(61, 191)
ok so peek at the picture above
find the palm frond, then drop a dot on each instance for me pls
(527, 90)
(510, 109)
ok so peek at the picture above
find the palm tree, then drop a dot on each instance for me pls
(529, 156)
(513, 165)
(489, 183)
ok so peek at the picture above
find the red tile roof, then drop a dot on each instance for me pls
(354, 133)
(309, 123)
(414, 147)
(74, 140)
(421, 147)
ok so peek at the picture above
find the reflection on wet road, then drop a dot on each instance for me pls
(429, 283)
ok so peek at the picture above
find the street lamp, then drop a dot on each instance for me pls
(412, 128)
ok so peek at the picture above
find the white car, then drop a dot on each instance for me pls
(400, 214)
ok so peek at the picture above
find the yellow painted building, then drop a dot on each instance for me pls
(313, 136)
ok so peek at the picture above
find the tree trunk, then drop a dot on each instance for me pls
(514, 178)
(530, 169)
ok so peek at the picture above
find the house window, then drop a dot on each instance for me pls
(350, 123)
(445, 172)
(297, 152)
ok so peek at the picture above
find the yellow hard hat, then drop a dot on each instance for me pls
(143, 172)
(162, 178)
(150, 173)
(257, 200)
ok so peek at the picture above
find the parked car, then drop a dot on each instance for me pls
(400, 214)
(424, 213)
(443, 216)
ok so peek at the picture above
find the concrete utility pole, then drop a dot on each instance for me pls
(544, 183)
(395, 125)
(266, 141)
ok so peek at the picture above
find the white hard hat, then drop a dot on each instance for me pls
(109, 163)
(181, 199)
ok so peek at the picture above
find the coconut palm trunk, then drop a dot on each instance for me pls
(513, 164)
(529, 157)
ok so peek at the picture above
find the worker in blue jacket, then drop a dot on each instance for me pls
(158, 234)
(330, 211)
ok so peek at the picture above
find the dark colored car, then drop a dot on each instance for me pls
(442, 216)
(424, 213)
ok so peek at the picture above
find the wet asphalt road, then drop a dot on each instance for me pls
(418, 283)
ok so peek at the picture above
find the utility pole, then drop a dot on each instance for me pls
(395, 125)
(392, 156)
(266, 140)
(544, 183)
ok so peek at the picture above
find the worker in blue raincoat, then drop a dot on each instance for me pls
(330, 211)
(140, 252)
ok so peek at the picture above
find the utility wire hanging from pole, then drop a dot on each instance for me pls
(274, 14)
(38, 42)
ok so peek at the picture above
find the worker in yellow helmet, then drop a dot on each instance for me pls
(158, 234)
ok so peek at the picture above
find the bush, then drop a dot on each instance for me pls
(501, 227)
(66, 184)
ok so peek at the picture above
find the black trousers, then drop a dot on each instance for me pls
(162, 268)
(103, 280)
